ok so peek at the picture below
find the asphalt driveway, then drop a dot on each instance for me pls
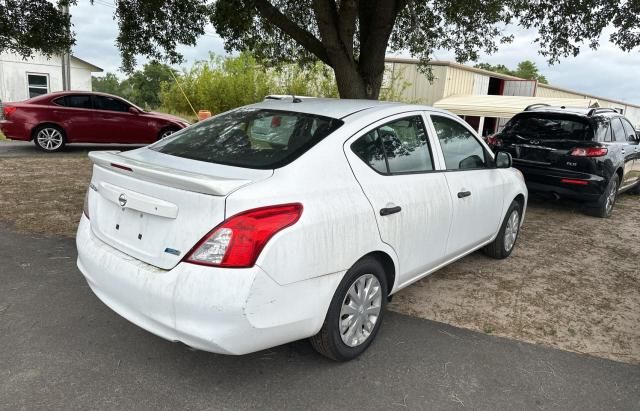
(63, 349)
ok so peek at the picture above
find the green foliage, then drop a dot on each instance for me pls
(218, 85)
(526, 69)
(109, 83)
(221, 84)
(141, 88)
(33, 25)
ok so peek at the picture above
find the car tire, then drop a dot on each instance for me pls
(351, 325)
(49, 138)
(505, 241)
(604, 206)
(166, 132)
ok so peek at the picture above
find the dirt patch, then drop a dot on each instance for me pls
(44, 194)
(573, 281)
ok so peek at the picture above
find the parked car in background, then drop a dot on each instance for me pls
(220, 240)
(591, 154)
(55, 119)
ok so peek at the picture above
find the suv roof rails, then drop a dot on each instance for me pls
(536, 105)
(601, 110)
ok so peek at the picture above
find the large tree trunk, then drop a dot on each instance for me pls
(354, 82)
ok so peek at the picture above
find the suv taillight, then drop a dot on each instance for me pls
(589, 152)
(239, 240)
(8, 111)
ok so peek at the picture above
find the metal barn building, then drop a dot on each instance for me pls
(477, 95)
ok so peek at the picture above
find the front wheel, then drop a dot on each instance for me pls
(504, 243)
(49, 138)
(355, 313)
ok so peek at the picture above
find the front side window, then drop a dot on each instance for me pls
(38, 84)
(250, 138)
(460, 148)
(110, 104)
(630, 132)
(400, 146)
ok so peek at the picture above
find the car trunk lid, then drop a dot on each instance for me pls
(155, 212)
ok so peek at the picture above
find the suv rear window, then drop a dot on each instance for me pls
(548, 126)
(250, 138)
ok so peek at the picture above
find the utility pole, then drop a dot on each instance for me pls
(66, 57)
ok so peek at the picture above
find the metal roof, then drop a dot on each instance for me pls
(503, 106)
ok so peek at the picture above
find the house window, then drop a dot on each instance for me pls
(38, 84)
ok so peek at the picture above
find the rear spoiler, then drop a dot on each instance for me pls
(184, 180)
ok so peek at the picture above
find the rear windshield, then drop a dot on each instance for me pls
(250, 138)
(544, 126)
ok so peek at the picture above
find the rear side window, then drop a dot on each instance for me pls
(548, 126)
(74, 101)
(618, 130)
(250, 138)
(398, 147)
(461, 150)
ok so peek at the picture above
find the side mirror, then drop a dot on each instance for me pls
(503, 159)
(133, 110)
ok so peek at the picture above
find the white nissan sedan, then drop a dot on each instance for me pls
(227, 242)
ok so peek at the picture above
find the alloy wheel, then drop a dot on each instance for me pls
(511, 230)
(49, 138)
(360, 310)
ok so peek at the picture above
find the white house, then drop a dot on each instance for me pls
(21, 79)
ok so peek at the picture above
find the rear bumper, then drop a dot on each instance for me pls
(581, 186)
(227, 311)
(14, 130)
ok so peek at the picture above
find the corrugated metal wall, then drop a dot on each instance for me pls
(544, 91)
(420, 89)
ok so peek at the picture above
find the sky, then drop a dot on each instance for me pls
(607, 72)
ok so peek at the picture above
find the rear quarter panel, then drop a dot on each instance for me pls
(337, 226)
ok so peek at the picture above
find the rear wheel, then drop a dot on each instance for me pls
(355, 313)
(604, 207)
(504, 243)
(49, 138)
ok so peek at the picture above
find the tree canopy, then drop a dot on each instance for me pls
(350, 36)
(526, 69)
(142, 87)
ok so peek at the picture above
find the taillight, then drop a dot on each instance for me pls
(589, 152)
(239, 240)
(8, 111)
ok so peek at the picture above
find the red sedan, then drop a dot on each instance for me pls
(55, 119)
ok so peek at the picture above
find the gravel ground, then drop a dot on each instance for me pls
(573, 281)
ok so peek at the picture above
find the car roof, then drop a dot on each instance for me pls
(332, 107)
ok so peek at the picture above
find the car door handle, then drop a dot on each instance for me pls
(463, 194)
(390, 210)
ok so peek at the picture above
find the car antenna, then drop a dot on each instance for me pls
(296, 99)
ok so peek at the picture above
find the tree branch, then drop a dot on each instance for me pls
(300, 35)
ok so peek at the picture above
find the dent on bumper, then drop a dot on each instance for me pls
(227, 311)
